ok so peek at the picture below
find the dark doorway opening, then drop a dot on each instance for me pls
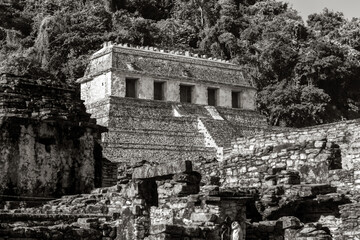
(335, 161)
(131, 88)
(185, 93)
(159, 93)
(235, 99)
(212, 96)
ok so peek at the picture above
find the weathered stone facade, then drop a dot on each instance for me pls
(291, 167)
(48, 142)
(143, 128)
(172, 201)
(245, 180)
(110, 67)
(158, 202)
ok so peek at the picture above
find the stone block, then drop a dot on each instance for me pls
(187, 178)
(170, 229)
(203, 217)
(290, 222)
(267, 226)
(87, 220)
(136, 210)
(319, 144)
(276, 170)
(289, 179)
(210, 190)
(270, 182)
(162, 236)
(161, 170)
(192, 231)
(184, 190)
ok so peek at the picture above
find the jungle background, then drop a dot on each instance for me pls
(307, 71)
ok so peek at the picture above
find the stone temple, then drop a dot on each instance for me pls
(178, 153)
(162, 105)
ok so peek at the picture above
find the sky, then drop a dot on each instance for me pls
(350, 8)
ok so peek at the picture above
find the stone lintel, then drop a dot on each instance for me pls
(161, 170)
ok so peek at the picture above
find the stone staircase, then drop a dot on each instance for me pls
(84, 216)
(146, 130)
(17, 202)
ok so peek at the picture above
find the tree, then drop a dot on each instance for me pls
(293, 106)
(299, 70)
(326, 22)
(349, 34)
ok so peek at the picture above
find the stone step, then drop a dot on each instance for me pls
(14, 217)
(9, 205)
(151, 138)
(8, 202)
(154, 132)
(156, 123)
(133, 146)
(135, 154)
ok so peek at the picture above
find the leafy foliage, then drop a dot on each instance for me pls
(293, 105)
(305, 74)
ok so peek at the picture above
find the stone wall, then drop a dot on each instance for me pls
(172, 201)
(322, 154)
(110, 67)
(109, 173)
(45, 159)
(159, 202)
(350, 226)
(184, 209)
(47, 139)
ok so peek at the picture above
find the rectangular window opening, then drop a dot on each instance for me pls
(212, 96)
(235, 99)
(131, 88)
(159, 93)
(185, 93)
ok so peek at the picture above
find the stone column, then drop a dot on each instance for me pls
(199, 95)
(224, 96)
(145, 88)
(247, 99)
(117, 85)
(172, 91)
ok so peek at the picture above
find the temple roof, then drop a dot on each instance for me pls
(163, 64)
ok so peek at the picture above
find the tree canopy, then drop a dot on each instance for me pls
(305, 73)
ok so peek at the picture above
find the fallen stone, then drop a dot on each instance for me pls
(290, 222)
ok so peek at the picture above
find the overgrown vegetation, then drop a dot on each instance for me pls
(306, 73)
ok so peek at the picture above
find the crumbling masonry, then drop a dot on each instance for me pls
(180, 164)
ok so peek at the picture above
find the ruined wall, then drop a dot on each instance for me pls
(322, 154)
(47, 140)
(45, 159)
(169, 201)
(350, 225)
(159, 202)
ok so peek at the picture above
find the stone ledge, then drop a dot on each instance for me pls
(44, 217)
(160, 170)
(178, 148)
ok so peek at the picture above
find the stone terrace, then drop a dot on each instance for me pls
(157, 131)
